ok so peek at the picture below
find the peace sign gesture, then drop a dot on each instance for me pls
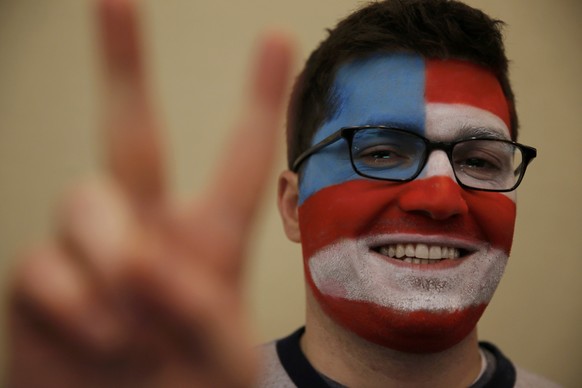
(134, 289)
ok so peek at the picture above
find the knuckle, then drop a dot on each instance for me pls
(87, 195)
(24, 271)
(53, 295)
(46, 280)
(95, 222)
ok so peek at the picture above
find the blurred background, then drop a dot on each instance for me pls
(198, 53)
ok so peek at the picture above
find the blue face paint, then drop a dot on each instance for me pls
(379, 90)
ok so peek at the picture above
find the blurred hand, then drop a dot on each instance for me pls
(134, 290)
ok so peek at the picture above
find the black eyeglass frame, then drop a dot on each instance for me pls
(347, 133)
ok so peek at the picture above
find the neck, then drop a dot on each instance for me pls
(352, 361)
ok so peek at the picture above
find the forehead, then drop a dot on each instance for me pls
(401, 90)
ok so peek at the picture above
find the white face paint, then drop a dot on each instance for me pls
(446, 122)
(351, 270)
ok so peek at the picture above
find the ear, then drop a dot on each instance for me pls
(288, 202)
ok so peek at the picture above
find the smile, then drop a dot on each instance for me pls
(420, 253)
(354, 269)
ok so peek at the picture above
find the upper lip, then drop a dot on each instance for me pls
(469, 245)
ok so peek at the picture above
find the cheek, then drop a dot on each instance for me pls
(495, 213)
(346, 210)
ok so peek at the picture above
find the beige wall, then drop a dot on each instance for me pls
(199, 51)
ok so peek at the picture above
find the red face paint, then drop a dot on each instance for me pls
(368, 207)
(411, 332)
(462, 82)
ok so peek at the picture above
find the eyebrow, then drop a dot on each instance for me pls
(481, 132)
(392, 124)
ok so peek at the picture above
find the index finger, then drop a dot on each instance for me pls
(241, 176)
(132, 136)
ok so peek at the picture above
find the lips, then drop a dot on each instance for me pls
(426, 255)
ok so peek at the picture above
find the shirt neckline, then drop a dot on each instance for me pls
(303, 374)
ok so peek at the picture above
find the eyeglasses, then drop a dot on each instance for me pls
(393, 154)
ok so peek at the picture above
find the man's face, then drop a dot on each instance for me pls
(353, 229)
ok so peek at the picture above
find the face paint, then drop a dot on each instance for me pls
(460, 82)
(351, 225)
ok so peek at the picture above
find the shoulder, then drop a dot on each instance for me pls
(526, 379)
(272, 372)
(506, 374)
(285, 365)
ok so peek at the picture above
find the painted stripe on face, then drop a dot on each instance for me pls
(446, 122)
(416, 332)
(386, 90)
(350, 269)
(456, 82)
(364, 208)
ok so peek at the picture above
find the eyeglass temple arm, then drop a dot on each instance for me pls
(530, 154)
(313, 149)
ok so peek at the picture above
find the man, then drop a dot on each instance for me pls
(400, 189)
(401, 192)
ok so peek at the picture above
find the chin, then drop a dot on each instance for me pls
(413, 308)
(404, 331)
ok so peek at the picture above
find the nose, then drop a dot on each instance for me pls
(438, 197)
(438, 164)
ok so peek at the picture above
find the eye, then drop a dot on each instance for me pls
(478, 163)
(382, 156)
(481, 164)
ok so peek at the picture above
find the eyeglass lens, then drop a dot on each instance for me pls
(395, 155)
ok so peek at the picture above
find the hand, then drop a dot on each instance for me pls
(133, 289)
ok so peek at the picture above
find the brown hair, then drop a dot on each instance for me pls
(440, 29)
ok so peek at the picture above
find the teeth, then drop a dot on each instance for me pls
(447, 253)
(435, 252)
(391, 251)
(422, 251)
(419, 253)
(399, 251)
(409, 250)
